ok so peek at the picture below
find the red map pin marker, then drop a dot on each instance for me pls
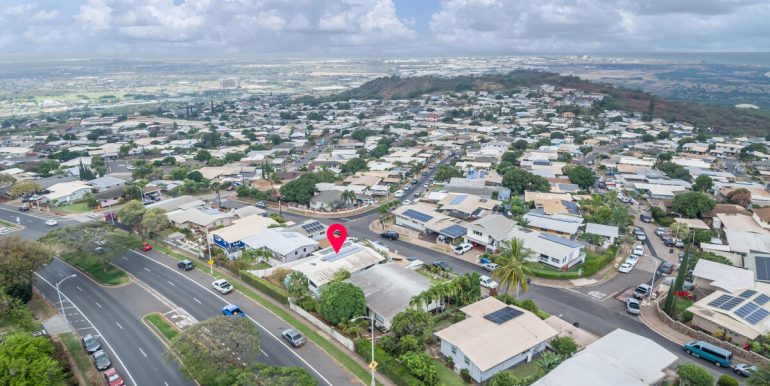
(336, 234)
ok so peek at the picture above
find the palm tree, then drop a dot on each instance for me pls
(513, 268)
(348, 197)
(760, 377)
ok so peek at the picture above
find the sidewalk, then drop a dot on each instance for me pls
(651, 319)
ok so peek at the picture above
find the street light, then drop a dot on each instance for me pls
(61, 305)
(371, 365)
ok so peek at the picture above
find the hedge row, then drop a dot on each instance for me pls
(591, 266)
(387, 364)
(265, 287)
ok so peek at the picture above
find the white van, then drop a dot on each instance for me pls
(398, 194)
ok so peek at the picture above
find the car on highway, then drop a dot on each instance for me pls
(222, 285)
(441, 265)
(638, 250)
(462, 248)
(390, 235)
(642, 290)
(489, 267)
(24, 207)
(744, 369)
(90, 343)
(625, 268)
(185, 265)
(293, 337)
(112, 378)
(665, 268)
(101, 360)
(660, 231)
(232, 310)
(633, 307)
(645, 218)
(487, 282)
(51, 222)
(146, 247)
(632, 259)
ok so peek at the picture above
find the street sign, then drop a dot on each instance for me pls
(211, 262)
(373, 365)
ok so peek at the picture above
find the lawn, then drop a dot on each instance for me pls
(81, 358)
(80, 207)
(95, 266)
(525, 370)
(446, 376)
(7, 224)
(162, 325)
(261, 265)
(434, 279)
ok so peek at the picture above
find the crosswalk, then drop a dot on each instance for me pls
(6, 230)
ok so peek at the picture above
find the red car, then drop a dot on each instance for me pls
(147, 247)
(113, 378)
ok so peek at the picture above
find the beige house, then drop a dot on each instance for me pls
(742, 315)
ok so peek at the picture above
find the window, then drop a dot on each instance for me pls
(304, 249)
(454, 350)
(477, 233)
(467, 361)
(296, 253)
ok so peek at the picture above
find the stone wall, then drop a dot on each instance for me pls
(738, 352)
(324, 327)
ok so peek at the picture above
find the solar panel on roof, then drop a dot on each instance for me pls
(720, 300)
(422, 217)
(761, 299)
(457, 200)
(313, 227)
(503, 315)
(763, 268)
(560, 240)
(757, 316)
(454, 231)
(746, 309)
(747, 294)
(730, 304)
(344, 252)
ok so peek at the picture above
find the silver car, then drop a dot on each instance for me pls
(633, 306)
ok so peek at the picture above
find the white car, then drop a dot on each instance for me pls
(633, 259)
(625, 268)
(398, 194)
(406, 202)
(638, 250)
(490, 267)
(487, 282)
(462, 248)
(51, 222)
(222, 286)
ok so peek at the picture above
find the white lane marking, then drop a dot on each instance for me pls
(269, 332)
(98, 305)
(147, 269)
(140, 349)
(79, 289)
(172, 284)
(199, 302)
(263, 352)
(60, 274)
(84, 328)
(165, 383)
(115, 353)
(124, 258)
(121, 327)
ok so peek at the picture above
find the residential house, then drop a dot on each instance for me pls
(311, 228)
(608, 232)
(327, 200)
(491, 231)
(742, 314)
(106, 183)
(67, 192)
(389, 289)
(109, 197)
(230, 238)
(466, 206)
(426, 219)
(321, 267)
(285, 246)
(493, 337)
(560, 225)
(618, 358)
(200, 218)
(762, 217)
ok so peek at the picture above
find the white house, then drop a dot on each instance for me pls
(285, 246)
(321, 267)
(493, 337)
(67, 192)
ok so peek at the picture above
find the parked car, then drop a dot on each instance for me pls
(407, 187)
(406, 202)
(641, 236)
(398, 194)
(293, 337)
(222, 285)
(90, 343)
(625, 268)
(645, 218)
(462, 248)
(487, 282)
(146, 247)
(638, 250)
(442, 239)
(665, 268)
(489, 267)
(660, 231)
(715, 354)
(113, 378)
(633, 307)
(232, 310)
(185, 265)
(390, 235)
(51, 222)
(441, 265)
(744, 370)
(260, 204)
(668, 241)
(687, 285)
(101, 360)
(632, 259)
(24, 207)
(642, 290)
(678, 243)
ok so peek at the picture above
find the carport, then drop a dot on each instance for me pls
(453, 232)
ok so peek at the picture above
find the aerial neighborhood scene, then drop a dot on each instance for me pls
(384, 193)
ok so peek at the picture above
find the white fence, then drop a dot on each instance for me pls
(325, 328)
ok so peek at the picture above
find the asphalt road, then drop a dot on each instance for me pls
(32, 220)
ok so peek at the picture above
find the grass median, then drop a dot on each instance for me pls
(81, 358)
(95, 266)
(163, 325)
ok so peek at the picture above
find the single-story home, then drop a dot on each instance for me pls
(67, 192)
(321, 267)
(493, 337)
(230, 238)
(742, 315)
(106, 183)
(609, 232)
(285, 246)
(200, 218)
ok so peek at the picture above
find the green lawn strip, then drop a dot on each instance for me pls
(162, 325)
(8, 224)
(164, 249)
(341, 356)
(446, 376)
(525, 370)
(80, 207)
(104, 273)
(79, 355)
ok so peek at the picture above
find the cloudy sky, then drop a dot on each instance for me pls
(381, 27)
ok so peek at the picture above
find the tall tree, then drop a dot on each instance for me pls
(519, 180)
(19, 259)
(25, 187)
(740, 196)
(692, 204)
(581, 176)
(154, 221)
(27, 360)
(131, 214)
(513, 269)
(703, 183)
(340, 301)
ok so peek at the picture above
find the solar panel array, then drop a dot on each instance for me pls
(757, 316)
(746, 309)
(560, 240)
(502, 315)
(344, 252)
(763, 268)
(720, 300)
(730, 304)
(422, 217)
(313, 227)
(747, 294)
(761, 299)
(454, 231)
(457, 200)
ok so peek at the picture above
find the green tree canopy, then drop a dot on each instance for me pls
(354, 165)
(154, 221)
(131, 214)
(340, 301)
(674, 171)
(421, 366)
(519, 180)
(703, 183)
(693, 375)
(692, 204)
(27, 360)
(411, 322)
(447, 172)
(581, 176)
(19, 260)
